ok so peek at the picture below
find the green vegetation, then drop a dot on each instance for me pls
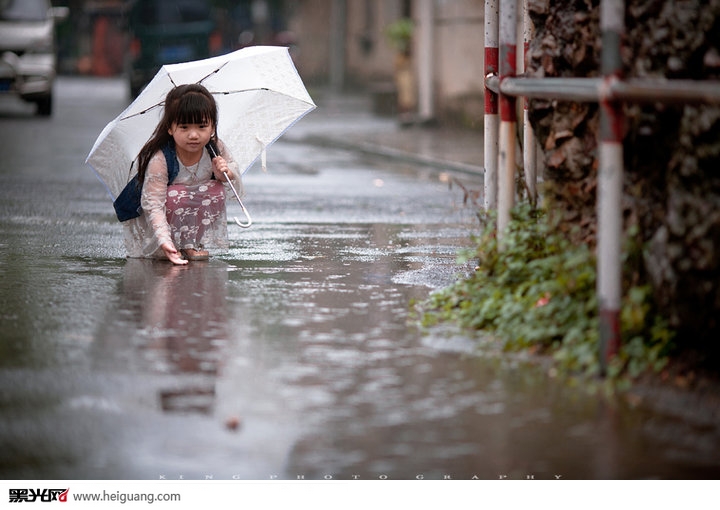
(538, 293)
(399, 34)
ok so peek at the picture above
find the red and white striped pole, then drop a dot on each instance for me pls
(491, 106)
(508, 115)
(529, 146)
(610, 183)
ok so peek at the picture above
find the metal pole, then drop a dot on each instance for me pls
(667, 91)
(508, 115)
(529, 147)
(426, 46)
(491, 105)
(610, 184)
(638, 90)
(569, 89)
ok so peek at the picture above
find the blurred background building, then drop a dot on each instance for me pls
(337, 45)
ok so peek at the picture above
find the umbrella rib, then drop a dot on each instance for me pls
(221, 93)
(210, 74)
(226, 92)
(158, 105)
(174, 85)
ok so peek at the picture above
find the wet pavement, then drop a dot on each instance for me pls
(291, 355)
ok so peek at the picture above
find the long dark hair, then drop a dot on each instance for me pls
(184, 104)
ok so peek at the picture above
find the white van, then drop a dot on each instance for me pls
(27, 50)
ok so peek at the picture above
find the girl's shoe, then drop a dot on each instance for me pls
(192, 254)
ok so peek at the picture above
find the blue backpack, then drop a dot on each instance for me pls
(127, 204)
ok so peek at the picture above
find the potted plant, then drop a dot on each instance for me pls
(399, 34)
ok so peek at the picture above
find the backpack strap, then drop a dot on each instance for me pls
(171, 160)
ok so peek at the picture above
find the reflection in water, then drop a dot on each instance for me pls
(182, 316)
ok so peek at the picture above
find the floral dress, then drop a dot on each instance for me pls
(190, 212)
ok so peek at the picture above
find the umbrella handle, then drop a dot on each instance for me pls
(242, 206)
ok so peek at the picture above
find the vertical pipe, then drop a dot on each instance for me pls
(508, 115)
(610, 180)
(529, 147)
(426, 48)
(491, 105)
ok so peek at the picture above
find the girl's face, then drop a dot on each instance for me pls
(191, 138)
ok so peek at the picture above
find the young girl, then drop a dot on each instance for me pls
(180, 219)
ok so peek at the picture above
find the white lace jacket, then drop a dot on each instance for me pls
(145, 234)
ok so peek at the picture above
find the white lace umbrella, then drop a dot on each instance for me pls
(259, 95)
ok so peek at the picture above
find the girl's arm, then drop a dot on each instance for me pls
(153, 200)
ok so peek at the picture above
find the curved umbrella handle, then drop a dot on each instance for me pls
(245, 211)
(247, 215)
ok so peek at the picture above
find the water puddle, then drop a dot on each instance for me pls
(292, 357)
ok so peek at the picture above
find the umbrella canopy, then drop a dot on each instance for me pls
(259, 96)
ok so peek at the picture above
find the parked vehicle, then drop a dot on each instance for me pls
(28, 59)
(168, 32)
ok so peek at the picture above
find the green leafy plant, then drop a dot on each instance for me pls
(399, 34)
(537, 292)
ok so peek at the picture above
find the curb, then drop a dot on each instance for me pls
(392, 153)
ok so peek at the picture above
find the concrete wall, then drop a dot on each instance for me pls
(369, 56)
(309, 20)
(459, 64)
(458, 77)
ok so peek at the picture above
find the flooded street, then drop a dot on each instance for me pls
(291, 356)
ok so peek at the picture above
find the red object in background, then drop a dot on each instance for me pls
(135, 48)
(215, 44)
(107, 48)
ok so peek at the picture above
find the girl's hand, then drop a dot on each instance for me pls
(221, 170)
(172, 254)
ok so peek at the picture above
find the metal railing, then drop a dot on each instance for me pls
(503, 86)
